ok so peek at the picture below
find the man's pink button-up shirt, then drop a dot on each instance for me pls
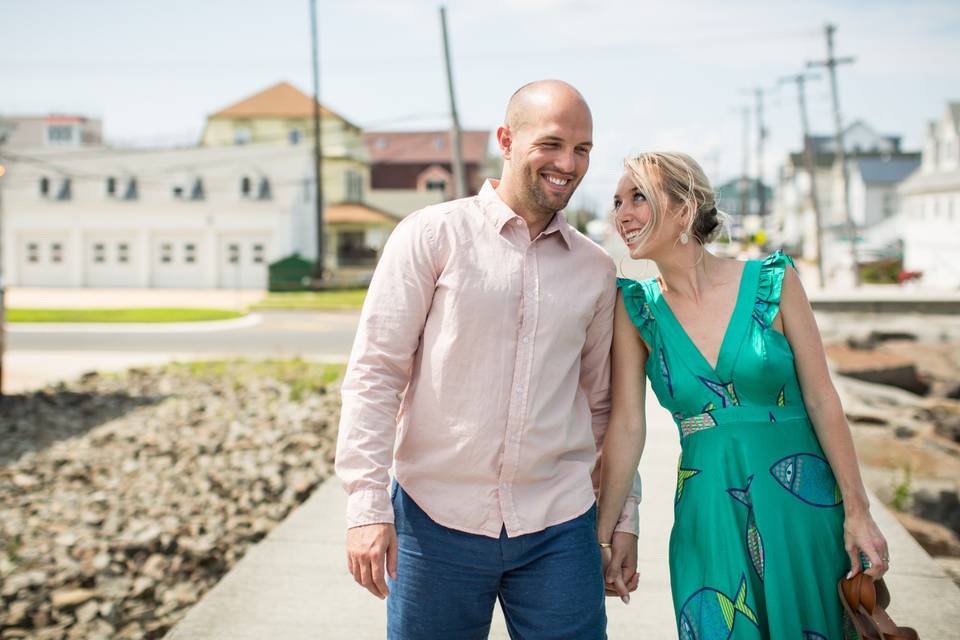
(481, 370)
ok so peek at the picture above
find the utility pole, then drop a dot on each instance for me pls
(831, 64)
(744, 187)
(810, 163)
(761, 136)
(459, 174)
(318, 267)
(3, 286)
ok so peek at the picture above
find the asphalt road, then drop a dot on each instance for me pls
(287, 333)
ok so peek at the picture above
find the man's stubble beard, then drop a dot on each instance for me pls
(538, 200)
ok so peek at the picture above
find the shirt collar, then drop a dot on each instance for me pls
(498, 213)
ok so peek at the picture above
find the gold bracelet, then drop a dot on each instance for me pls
(605, 545)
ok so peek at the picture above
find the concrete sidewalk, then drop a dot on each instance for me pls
(294, 584)
(120, 298)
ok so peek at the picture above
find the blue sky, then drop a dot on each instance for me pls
(657, 74)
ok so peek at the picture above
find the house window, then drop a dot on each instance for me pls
(233, 253)
(889, 204)
(242, 135)
(33, 253)
(166, 253)
(263, 189)
(189, 253)
(436, 185)
(99, 253)
(111, 186)
(132, 193)
(44, 186)
(258, 253)
(354, 186)
(56, 252)
(178, 192)
(123, 253)
(196, 193)
(60, 134)
(294, 136)
(245, 186)
(352, 250)
(64, 193)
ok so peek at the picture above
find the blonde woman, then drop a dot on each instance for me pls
(770, 509)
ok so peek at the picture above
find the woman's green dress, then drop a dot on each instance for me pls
(757, 543)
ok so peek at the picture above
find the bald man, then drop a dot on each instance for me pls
(481, 373)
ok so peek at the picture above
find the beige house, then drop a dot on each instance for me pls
(283, 115)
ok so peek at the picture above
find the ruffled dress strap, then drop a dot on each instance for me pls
(636, 301)
(770, 287)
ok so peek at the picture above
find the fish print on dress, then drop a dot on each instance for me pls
(725, 391)
(753, 537)
(665, 372)
(710, 614)
(682, 476)
(809, 478)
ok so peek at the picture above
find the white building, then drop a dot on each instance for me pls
(197, 217)
(931, 205)
(875, 166)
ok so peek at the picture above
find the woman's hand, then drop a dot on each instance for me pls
(620, 575)
(862, 535)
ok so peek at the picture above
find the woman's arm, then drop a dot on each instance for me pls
(626, 433)
(820, 397)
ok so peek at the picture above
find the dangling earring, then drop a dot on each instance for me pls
(684, 238)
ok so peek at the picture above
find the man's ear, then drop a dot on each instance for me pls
(505, 141)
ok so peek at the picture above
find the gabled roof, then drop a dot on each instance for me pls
(282, 100)
(425, 147)
(886, 169)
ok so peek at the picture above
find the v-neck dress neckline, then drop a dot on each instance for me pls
(734, 332)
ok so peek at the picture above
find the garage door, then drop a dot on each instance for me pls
(177, 262)
(43, 260)
(110, 261)
(243, 262)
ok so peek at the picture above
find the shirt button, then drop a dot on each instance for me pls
(519, 389)
(526, 339)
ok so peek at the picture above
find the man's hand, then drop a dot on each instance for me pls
(620, 570)
(370, 547)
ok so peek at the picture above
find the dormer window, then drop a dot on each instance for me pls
(439, 142)
(64, 193)
(263, 189)
(196, 192)
(381, 143)
(132, 193)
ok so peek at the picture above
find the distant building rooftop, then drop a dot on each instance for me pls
(424, 147)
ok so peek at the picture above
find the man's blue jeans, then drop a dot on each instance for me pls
(549, 583)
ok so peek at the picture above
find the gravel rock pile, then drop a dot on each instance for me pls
(124, 498)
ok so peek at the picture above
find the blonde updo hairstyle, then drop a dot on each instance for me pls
(676, 179)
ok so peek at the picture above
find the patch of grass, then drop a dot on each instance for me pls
(120, 315)
(333, 300)
(302, 376)
(902, 491)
